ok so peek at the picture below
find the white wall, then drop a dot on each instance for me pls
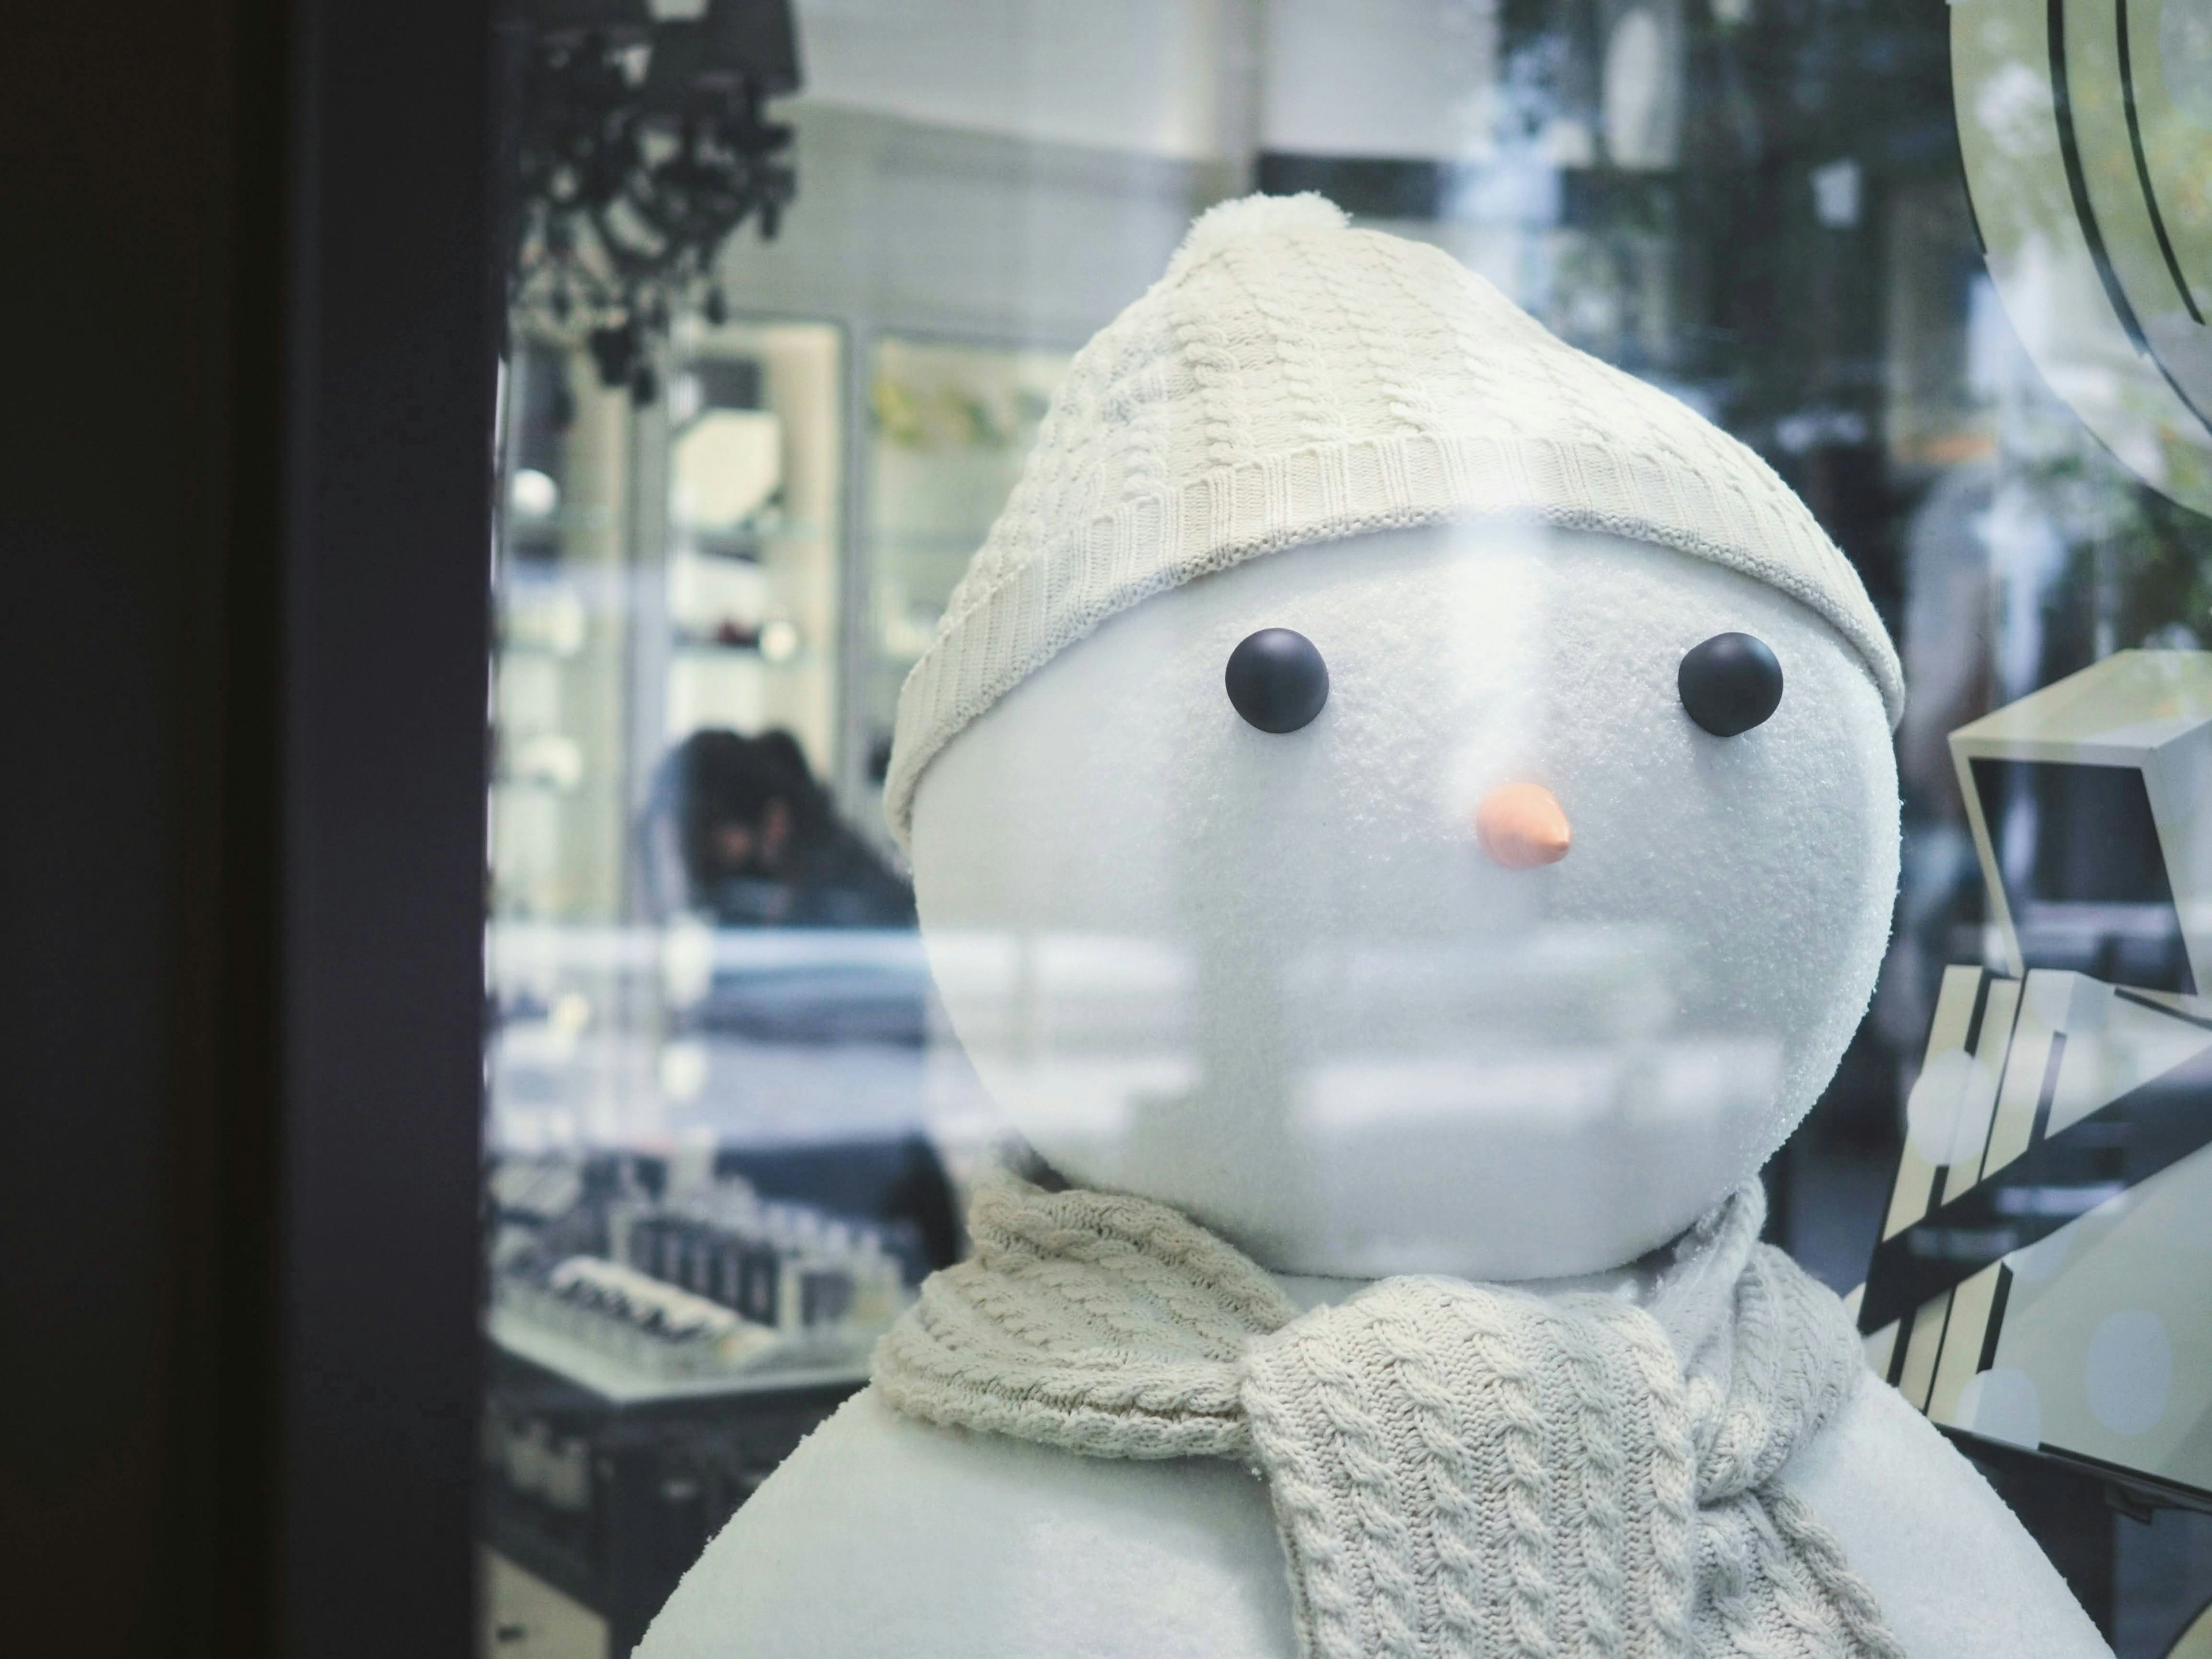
(1159, 77)
(1192, 79)
(925, 228)
(1407, 78)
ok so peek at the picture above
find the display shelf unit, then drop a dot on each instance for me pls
(664, 1470)
(950, 425)
(769, 563)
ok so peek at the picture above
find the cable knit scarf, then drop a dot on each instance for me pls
(1456, 1469)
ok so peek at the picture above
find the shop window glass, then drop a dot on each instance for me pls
(1943, 273)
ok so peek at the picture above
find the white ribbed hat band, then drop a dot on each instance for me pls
(1291, 380)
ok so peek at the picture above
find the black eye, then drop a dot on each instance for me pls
(1277, 680)
(1730, 683)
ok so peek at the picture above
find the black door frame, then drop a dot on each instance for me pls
(392, 321)
(246, 521)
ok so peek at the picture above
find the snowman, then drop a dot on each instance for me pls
(1404, 824)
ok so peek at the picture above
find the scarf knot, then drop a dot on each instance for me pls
(1456, 1469)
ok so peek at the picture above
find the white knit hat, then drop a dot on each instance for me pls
(1291, 379)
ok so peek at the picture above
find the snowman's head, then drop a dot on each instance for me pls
(1284, 981)
(1412, 825)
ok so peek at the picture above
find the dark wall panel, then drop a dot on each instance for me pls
(388, 548)
(243, 522)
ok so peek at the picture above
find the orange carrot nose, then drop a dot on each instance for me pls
(1521, 825)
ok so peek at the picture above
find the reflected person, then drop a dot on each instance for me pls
(761, 845)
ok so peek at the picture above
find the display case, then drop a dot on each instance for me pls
(949, 424)
(697, 1225)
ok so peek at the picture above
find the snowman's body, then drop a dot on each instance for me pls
(1270, 980)
(885, 1536)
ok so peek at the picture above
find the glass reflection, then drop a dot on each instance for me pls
(736, 1098)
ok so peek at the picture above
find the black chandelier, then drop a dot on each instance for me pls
(640, 150)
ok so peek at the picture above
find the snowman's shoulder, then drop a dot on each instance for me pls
(880, 1534)
(1955, 1573)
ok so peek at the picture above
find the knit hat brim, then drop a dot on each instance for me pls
(1510, 424)
(1325, 493)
